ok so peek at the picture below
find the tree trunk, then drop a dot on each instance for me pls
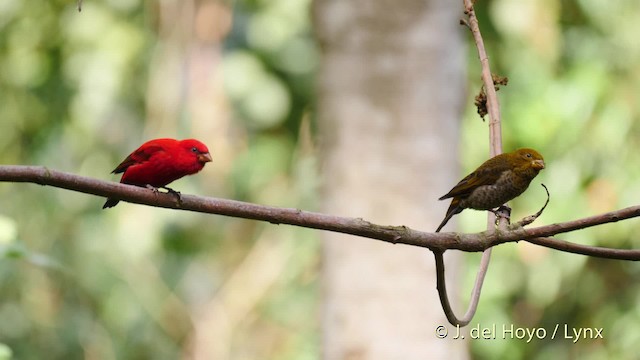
(391, 90)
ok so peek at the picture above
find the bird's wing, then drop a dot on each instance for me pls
(141, 155)
(487, 174)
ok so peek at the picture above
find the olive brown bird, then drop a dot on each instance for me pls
(497, 181)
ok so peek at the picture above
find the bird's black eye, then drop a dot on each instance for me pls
(528, 155)
(194, 149)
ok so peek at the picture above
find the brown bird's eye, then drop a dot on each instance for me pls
(528, 155)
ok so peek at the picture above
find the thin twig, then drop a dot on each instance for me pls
(531, 218)
(495, 139)
(465, 23)
(495, 131)
(475, 294)
(584, 249)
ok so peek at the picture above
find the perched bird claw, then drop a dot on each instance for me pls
(174, 192)
(156, 190)
(503, 212)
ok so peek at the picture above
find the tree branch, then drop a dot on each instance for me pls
(595, 251)
(441, 285)
(495, 141)
(353, 226)
(495, 131)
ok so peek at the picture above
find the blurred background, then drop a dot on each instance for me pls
(79, 91)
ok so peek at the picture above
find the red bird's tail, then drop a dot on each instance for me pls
(110, 203)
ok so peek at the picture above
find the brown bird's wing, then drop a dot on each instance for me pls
(487, 174)
(139, 156)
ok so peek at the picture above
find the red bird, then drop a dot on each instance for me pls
(159, 162)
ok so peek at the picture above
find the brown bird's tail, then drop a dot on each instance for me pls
(110, 203)
(453, 209)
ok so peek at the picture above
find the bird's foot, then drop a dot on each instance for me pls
(174, 192)
(503, 212)
(156, 190)
(171, 191)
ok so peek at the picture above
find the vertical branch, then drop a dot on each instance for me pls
(495, 141)
(495, 131)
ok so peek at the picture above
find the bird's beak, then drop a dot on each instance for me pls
(538, 164)
(204, 158)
